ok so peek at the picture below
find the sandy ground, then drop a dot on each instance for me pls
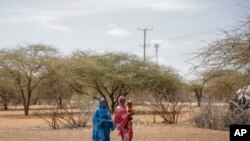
(16, 127)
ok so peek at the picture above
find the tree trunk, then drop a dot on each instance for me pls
(198, 94)
(59, 102)
(5, 106)
(35, 101)
(26, 110)
(5, 100)
(199, 102)
(27, 104)
(112, 106)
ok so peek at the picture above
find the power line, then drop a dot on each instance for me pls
(192, 34)
(213, 10)
(220, 7)
(144, 40)
(198, 33)
(182, 19)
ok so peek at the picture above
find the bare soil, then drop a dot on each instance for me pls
(16, 127)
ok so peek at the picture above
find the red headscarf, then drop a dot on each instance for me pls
(120, 113)
(121, 101)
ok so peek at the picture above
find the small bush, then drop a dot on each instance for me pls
(67, 117)
(51, 117)
(237, 115)
(168, 108)
(210, 116)
(219, 118)
(73, 119)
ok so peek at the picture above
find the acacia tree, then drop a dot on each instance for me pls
(164, 91)
(6, 94)
(165, 81)
(220, 84)
(28, 67)
(56, 87)
(225, 83)
(6, 89)
(197, 87)
(230, 52)
(108, 75)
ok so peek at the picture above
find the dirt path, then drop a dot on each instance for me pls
(19, 128)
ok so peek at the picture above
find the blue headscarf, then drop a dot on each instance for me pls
(102, 123)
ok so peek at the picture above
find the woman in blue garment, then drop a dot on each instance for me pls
(102, 122)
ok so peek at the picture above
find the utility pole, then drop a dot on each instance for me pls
(156, 53)
(144, 40)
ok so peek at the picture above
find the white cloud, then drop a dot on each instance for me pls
(161, 61)
(57, 27)
(185, 71)
(111, 25)
(34, 18)
(52, 16)
(83, 7)
(119, 32)
(172, 6)
(188, 42)
(118, 5)
(159, 41)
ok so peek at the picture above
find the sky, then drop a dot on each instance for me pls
(180, 27)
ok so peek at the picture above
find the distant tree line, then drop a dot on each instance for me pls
(37, 73)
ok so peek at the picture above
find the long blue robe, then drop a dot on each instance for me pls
(102, 123)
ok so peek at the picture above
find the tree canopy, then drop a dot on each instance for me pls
(230, 52)
(28, 67)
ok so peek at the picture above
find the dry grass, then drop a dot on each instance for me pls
(15, 127)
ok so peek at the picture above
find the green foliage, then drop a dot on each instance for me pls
(160, 80)
(37, 71)
(56, 88)
(108, 75)
(225, 84)
(111, 75)
(27, 66)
